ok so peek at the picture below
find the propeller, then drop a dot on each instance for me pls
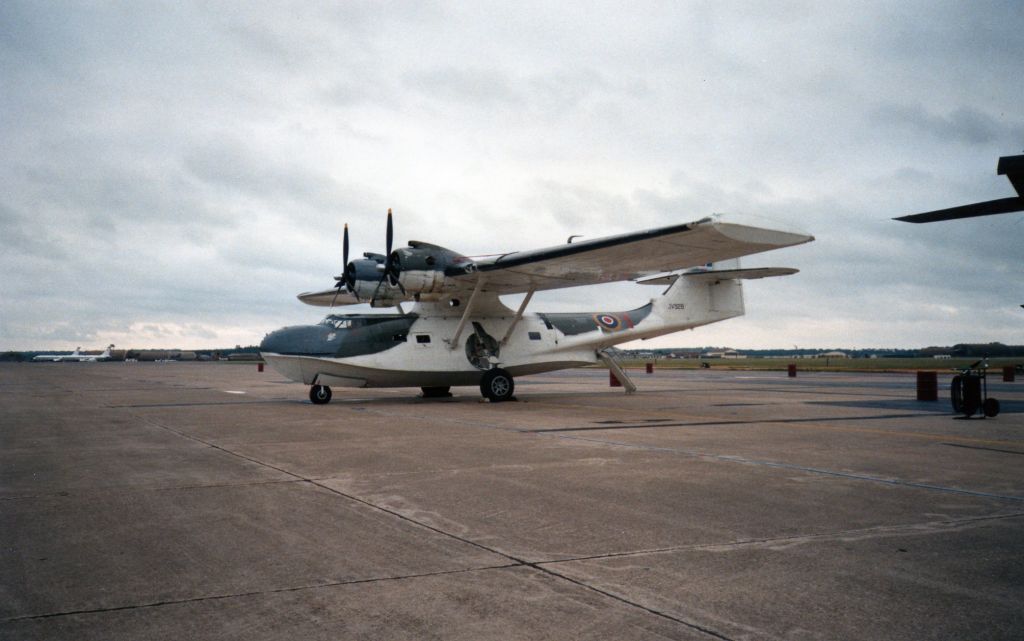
(343, 280)
(354, 274)
(391, 268)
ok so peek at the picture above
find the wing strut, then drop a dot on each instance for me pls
(519, 315)
(454, 341)
(627, 382)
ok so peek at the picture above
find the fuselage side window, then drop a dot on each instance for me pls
(422, 339)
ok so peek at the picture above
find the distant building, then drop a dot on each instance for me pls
(244, 356)
(835, 354)
(728, 353)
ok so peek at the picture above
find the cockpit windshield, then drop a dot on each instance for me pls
(337, 322)
(348, 321)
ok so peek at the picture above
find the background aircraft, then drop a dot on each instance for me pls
(458, 332)
(75, 356)
(1010, 166)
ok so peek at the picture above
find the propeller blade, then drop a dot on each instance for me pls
(344, 246)
(390, 234)
(337, 290)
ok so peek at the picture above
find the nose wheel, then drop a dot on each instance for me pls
(497, 385)
(320, 394)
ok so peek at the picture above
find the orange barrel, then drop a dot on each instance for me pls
(259, 367)
(1008, 374)
(650, 368)
(927, 386)
(791, 369)
(612, 381)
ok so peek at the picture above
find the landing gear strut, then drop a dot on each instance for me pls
(320, 394)
(497, 385)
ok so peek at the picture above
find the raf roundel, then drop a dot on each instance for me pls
(608, 322)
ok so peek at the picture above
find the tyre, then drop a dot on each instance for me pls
(970, 386)
(497, 385)
(956, 393)
(990, 407)
(320, 394)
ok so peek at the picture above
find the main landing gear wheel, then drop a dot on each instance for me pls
(497, 385)
(320, 394)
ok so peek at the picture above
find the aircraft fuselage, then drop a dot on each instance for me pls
(410, 350)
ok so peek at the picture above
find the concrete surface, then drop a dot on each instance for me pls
(210, 501)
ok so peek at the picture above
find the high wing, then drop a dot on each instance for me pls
(630, 256)
(626, 256)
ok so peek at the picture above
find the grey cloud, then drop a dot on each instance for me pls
(21, 235)
(964, 124)
(189, 167)
(480, 86)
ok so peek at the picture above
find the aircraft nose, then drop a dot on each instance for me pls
(272, 341)
(305, 339)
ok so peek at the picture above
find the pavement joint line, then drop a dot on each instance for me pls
(989, 449)
(136, 488)
(910, 528)
(801, 423)
(515, 560)
(635, 426)
(800, 468)
(621, 599)
(198, 404)
(298, 588)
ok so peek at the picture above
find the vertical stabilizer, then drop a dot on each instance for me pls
(699, 298)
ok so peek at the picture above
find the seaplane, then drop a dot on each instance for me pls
(457, 331)
(75, 357)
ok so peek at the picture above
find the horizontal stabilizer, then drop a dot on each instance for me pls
(1010, 166)
(722, 274)
(987, 208)
(328, 298)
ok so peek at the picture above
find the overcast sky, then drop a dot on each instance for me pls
(173, 173)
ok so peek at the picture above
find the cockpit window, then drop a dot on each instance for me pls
(337, 323)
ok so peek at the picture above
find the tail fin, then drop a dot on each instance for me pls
(704, 296)
(701, 297)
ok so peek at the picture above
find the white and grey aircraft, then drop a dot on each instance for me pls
(458, 332)
(75, 357)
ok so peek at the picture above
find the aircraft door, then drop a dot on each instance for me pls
(482, 349)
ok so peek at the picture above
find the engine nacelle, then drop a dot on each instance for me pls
(382, 294)
(365, 279)
(422, 281)
(423, 268)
